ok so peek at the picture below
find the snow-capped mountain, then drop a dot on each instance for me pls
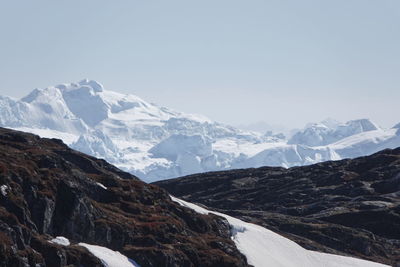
(330, 131)
(155, 142)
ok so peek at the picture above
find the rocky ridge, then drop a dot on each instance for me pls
(49, 190)
(348, 207)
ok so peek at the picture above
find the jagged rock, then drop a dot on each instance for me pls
(49, 190)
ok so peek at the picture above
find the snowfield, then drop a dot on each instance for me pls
(60, 240)
(109, 257)
(264, 248)
(156, 143)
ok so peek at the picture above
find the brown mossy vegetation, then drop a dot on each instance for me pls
(53, 191)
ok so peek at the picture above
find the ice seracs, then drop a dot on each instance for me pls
(155, 142)
(313, 135)
(97, 144)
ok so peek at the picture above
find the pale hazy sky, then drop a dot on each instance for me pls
(285, 62)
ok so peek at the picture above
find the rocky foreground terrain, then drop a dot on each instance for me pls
(347, 207)
(49, 190)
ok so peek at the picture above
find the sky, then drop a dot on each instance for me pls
(238, 62)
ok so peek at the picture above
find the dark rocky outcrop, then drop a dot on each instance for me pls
(49, 190)
(348, 207)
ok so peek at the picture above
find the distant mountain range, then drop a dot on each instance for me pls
(155, 143)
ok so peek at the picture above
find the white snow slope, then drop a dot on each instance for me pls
(108, 257)
(263, 247)
(156, 143)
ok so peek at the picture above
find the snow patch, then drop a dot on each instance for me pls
(109, 257)
(60, 240)
(102, 186)
(3, 189)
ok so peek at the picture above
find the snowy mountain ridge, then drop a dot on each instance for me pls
(330, 131)
(156, 143)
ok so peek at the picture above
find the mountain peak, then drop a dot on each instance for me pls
(330, 131)
(42, 95)
(364, 124)
(330, 123)
(85, 83)
(97, 87)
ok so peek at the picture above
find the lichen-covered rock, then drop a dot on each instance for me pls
(49, 190)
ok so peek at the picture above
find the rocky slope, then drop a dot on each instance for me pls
(348, 207)
(155, 143)
(49, 190)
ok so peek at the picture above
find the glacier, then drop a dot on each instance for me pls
(155, 142)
